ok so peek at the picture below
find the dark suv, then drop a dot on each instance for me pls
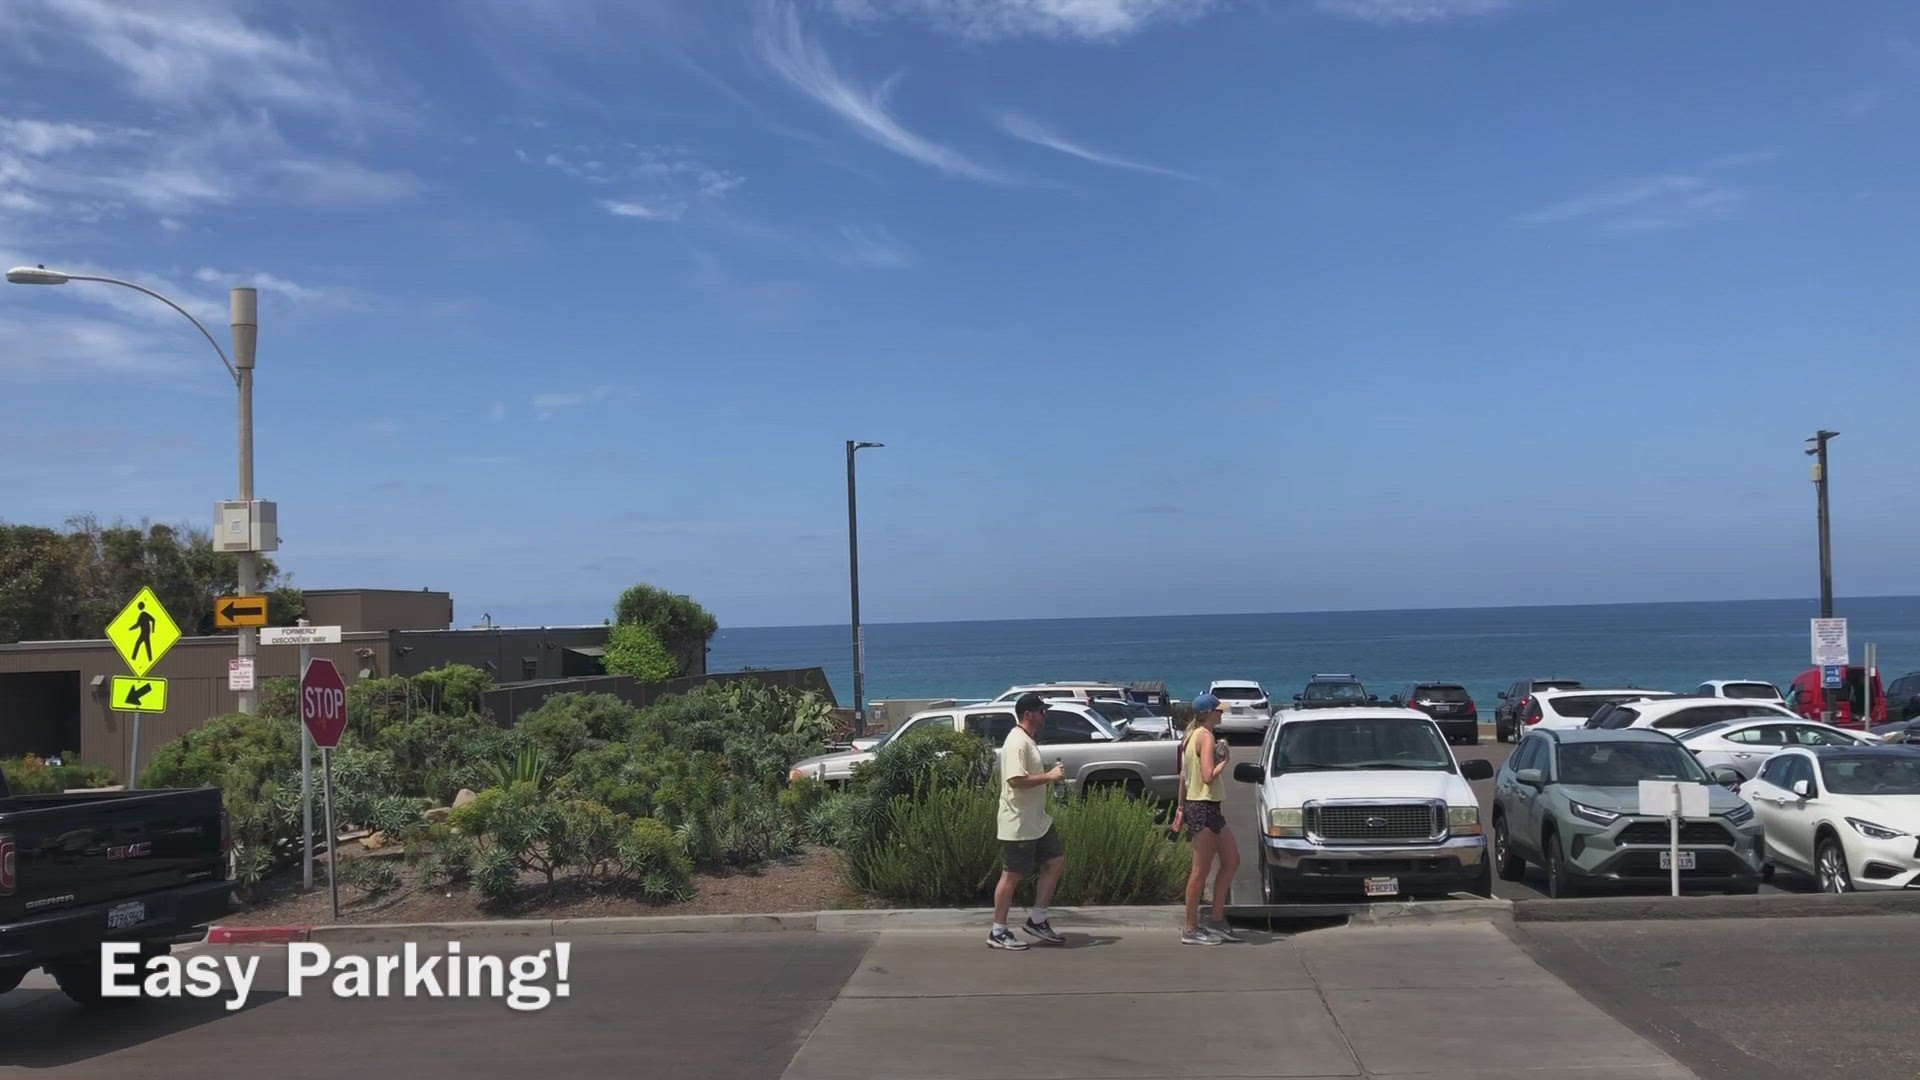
(1903, 697)
(1449, 704)
(1332, 692)
(1514, 701)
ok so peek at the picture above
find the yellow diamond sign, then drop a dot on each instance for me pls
(143, 632)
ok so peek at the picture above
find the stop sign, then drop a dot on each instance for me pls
(323, 703)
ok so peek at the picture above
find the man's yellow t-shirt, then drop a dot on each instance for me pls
(1023, 811)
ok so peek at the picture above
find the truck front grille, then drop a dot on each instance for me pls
(1375, 823)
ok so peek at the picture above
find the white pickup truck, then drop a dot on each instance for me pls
(1366, 802)
(1094, 751)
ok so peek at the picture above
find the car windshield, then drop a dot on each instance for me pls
(1750, 690)
(1335, 691)
(1360, 743)
(1453, 694)
(1238, 693)
(1556, 684)
(1871, 774)
(1624, 764)
(1581, 706)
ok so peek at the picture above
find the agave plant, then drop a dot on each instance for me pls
(529, 765)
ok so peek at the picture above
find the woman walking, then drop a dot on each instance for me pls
(1203, 759)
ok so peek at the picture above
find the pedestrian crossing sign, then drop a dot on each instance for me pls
(139, 695)
(143, 632)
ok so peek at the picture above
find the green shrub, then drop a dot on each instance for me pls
(376, 877)
(650, 854)
(527, 765)
(635, 650)
(453, 689)
(799, 802)
(521, 829)
(249, 758)
(939, 849)
(436, 755)
(566, 724)
(1117, 852)
(32, 775)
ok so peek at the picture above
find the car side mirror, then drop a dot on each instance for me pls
(1477, 769)
(1373, 697)
(1299, 697)
(1249, 773)
(1726, 777)
(1502, 695)
(1533, 778)
(1803, 789)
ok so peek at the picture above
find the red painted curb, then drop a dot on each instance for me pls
(256, 935)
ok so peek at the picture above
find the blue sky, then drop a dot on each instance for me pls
(1159, 305)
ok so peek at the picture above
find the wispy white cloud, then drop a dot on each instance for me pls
(785, 47)
(987, 20)
(1039, 134)
(869, 247)
(1659, 202)
(545, 406)
(668, 181)
(1412, 11)
(645, 211)
(58, 347)
(268, 283)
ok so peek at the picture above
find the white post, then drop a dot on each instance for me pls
(1866, 693)
(306, 784)
(333, 859)
(133, 759)
(1673, 847)
(244, 304)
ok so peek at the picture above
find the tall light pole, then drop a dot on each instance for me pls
(1819, 451)
(853, 578)
(244, 307)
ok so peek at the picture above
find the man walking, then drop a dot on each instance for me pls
(1028, 841)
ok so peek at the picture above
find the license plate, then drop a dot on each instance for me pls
(1383, 886)
(1240, 708)
(1687, 860)
(121, 916)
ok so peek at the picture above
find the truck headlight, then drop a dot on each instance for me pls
(1463, 820)
(1593, 813)
(1285, 821)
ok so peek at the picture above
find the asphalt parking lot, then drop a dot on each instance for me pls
(1243, 816)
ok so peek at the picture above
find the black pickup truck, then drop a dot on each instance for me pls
(83, 868)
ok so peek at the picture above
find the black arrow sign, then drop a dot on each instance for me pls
(136, 694)
(232, 609)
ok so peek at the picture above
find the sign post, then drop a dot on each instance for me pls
(306, 786)
(142, 633)
(1677, 800)
(323, 712)
(1866, 688)
(1829, 650)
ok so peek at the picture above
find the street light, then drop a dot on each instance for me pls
(1818, 449)
(244, 305)
(853, 577)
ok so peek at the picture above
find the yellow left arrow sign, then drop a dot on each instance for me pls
(139, 695)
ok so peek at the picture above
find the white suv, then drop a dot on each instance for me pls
(1742, 689)
(1562, 709)
(1067, 691)
(1364, 802)
(1678, 714)
(1248, 709)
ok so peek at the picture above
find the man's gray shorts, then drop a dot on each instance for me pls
(1026, 856)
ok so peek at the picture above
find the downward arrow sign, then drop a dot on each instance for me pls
(136, 694)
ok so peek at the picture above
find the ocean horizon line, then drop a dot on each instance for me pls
(1328, 611)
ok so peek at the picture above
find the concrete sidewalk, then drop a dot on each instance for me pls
(1421, 1001)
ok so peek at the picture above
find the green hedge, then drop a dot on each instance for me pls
(32, 775)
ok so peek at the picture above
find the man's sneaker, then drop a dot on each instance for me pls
(1044, 931)
(1202, 936)
(1224, 932)
(1004, 939)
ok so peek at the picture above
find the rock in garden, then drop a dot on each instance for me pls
(374, 841)
(438, 814)
(465, 796)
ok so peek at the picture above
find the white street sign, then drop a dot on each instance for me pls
(1657, 799)
(240, 673)
(1829, 642)
(300, 635)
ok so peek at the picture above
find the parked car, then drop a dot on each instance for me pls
(1365, 802)
(1134, 720)
(1569, 800)
(1678, 714)
(1745, 745)
(1094, 752)
(1744, 689)
(1514, 700)
(1450, 706)
(1332, 692)
(1062, 691)
(1903, 697)
(1249, 710)
(1808, 697)
(84, 868)
(1573, 708)
(1847, 816)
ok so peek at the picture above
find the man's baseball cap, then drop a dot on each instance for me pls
(1029, 703)
(1205, 703)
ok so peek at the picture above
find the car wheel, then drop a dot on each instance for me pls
(1830, 860)
(1270, 891)
(1509, 866)
(1560, 884)
(79, 976)
(1499, 732)
(1766, 871)
(1484, 886)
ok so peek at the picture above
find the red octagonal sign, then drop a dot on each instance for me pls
(323, 703)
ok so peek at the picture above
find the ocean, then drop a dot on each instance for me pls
(1656, 646)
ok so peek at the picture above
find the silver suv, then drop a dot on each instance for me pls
(1569, 800)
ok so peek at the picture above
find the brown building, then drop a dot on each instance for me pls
(54, 694)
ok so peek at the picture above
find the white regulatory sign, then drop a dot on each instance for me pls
(1658, 799)
(300, 635)
(1829, 642)
(240, 673)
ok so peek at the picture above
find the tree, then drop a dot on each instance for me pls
(62, 585)
(681, 624)
(634, 649)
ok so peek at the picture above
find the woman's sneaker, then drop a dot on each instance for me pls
(1004, 939)
(1202, 936)
(1224, 932)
